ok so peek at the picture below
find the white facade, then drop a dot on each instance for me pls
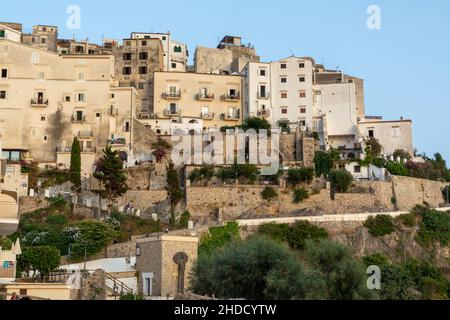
(168, 127)
(335, 116)
(175, 53)
(10, 34)
(257, 91)
(370, 172)
(292, 99)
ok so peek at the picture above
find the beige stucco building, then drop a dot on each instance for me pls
(215, 99)
(46, 100)
(164, 264)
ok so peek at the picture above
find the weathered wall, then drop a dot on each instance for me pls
(29, 204)
(121, 250)
(142, 200)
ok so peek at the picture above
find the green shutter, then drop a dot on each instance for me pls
(2, 33)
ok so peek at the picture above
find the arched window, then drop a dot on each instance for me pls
(177, 49)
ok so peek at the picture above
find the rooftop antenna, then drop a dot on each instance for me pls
(292, 53)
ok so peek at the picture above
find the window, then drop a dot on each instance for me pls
(262, 72)
(233, 93)
(302, 78)
(284, 111)
(143, 55)
(43, 40)
(67, 98)
(205, 111)
(128, 43)
(262, 92)
(127, 56)
(81, 97)
(371, 133)
(2, 33)
(284, 95)
(302, 109)
(2, 94)
(173, 108)
(302, 94)
(283, 66)
(164, 38)
(81, 76)
(141, 85)
(143, 70)
(4, 73)
(79, 115)
(144, 43)
(396, 132)
(357, 169)
(98, 115)
(302, 123)
(41, 75)
(127, 70)
(301, 65)
(283, 80)
(174, 65)
(34, 57)
(177, 49)
(127, 126)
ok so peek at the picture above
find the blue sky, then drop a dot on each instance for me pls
(406, 64)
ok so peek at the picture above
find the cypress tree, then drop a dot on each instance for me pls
(75, 163)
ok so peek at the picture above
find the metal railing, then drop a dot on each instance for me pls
(169, 112)
(265, 95)
(39, 102)
(231, 97)
(263, 113)
(172, 95)
(209, 115)
(77, 119)
(205, 96)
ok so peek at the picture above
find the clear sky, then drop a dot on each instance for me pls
(406, 64)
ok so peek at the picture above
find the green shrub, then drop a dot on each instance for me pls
(380, 225)
(300, 194)
(269, 193)
(218, 237)
(396, 168)
(300, 175)
(435, 226)
(341, 180)
(295, 235)
(130, 296)
(408, 220)
(184, 220)
(376, 259)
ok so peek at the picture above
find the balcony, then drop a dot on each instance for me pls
(207, 116)
(172, 112)
(263, 113)
(85, 135)
(117, 142)
(205, 97)
(231, 117)
(40, 102)
(231, 97)
(264, 95)
(9, 215)
(172, 95)
(78, 119)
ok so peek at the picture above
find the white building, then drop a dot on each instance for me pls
(175, 52)
(280, 90)
(167, 127)
(10, 34)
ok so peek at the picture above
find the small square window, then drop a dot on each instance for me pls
(67, 98)
(2, 94)
(164, 38)
(142, 70)
(127, 56)
(301, 65)
(302, 109)
(98, 115)
(143, 55)
(43, 119)
(371, 133)
(283, 80)
(4, 73)
(283, 66)
(141, 86)
(43, 41)
(127, 70)
(357, 169)
(302, 79)
(284, 95)
(284, 111)
(144, 43)
(174, 65)
(2, 33)
(302, 94)
(262, 72)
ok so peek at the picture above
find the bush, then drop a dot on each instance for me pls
(408, 220)
(435, 226)
(43, 259)
(380, 225)
(402, 154)
(218, 237)
(396, 168)
(300, 194)
(295, 235)
(324, 162)
(184, 220)
(341, 180)
(130, 296)
(269, 193)
(300, 175)
(376, 259)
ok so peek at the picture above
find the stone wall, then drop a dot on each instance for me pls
(412, 191)
(30, 204)
(142, 199)
(121, 250)
(94, 287)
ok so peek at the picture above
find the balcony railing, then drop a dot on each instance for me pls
(85, 134)
(207, 116)
(172, 112)
(117, 141)
(205, 97)
(231, 97)
(231, 117)
(78, 119)
(264, 113)
(264, 95)
(39, 102)
(172, 95)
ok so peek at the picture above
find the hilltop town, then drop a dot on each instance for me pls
(94, 206)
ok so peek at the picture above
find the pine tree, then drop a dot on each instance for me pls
(110, 173)
(75, 163)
